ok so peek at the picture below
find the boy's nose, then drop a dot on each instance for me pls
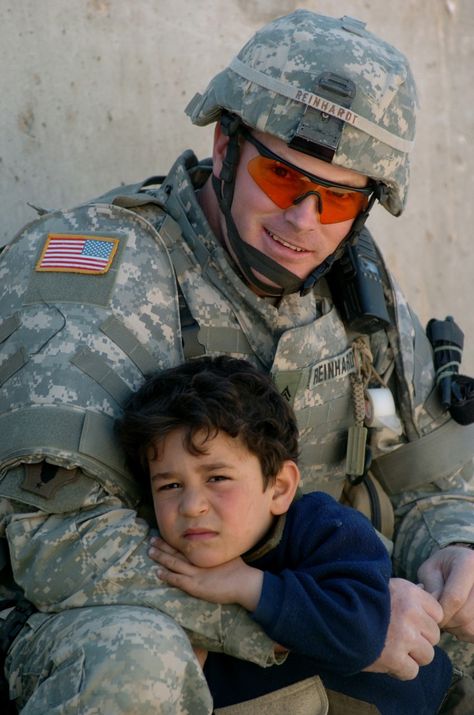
(193, 503)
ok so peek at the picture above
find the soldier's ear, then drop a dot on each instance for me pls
(219, 149)
(284, 487)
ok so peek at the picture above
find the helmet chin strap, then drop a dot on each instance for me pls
(351, 238)
(249, 258)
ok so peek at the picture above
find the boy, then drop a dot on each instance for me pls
(219, 446)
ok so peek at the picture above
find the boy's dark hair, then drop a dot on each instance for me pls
(210, 394)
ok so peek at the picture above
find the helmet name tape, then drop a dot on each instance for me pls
(318, 132)
(322, 104)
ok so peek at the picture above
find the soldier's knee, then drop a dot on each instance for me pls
(123, 659)
(152, 659)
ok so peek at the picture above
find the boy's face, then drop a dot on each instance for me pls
(212, 507)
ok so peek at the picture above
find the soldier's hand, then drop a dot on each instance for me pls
(449, 576)
(413, 631)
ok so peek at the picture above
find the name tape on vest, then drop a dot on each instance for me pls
(332, 368)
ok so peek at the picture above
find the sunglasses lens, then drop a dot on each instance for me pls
(283, 185)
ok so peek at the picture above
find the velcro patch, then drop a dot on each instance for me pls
(76, 253)
(45, 479)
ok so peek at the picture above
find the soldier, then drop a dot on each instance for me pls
(251, 255)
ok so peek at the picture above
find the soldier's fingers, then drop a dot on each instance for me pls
(428, 630)
(461, 624)
(432, 581)
(422, 652)
(407, 669)
(398, 664)
(457, 601)
(463, 633)
(405, 666)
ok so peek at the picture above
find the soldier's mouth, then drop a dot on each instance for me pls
(282, 242)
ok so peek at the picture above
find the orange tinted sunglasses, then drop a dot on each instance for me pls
(286, 184)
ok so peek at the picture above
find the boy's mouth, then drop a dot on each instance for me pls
(198, 534)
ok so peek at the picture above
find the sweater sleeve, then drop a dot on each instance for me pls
(325, 589)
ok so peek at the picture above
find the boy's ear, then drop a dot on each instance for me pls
(219, 149)
(284, 488)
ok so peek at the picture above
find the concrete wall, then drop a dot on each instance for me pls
(92, 94)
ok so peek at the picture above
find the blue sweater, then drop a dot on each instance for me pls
(325, 597)
(325, 589)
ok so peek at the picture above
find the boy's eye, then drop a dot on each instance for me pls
(218, 478)
(169, 486)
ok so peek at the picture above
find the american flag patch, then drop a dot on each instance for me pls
(75, 253)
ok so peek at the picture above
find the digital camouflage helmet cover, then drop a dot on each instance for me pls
(326, 87)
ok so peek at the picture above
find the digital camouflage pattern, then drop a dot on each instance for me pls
(102, 547)
(106, 660)
(67, 320)
(287, 56)
(403, 357)
(66, 408)
(74, 345)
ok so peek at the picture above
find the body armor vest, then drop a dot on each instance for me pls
(82, 330)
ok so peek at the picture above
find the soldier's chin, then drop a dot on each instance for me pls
(247, 276)
(266, 281)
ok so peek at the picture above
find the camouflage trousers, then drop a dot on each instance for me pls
(462, 654)
(105, 660)
(121, 659)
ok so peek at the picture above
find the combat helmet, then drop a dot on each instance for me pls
(326, 87)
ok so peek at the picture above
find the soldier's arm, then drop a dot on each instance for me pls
(98, 556)
(428, 469)
(432, 518)
(429, 476)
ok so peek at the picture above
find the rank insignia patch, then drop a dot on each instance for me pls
(75, 253)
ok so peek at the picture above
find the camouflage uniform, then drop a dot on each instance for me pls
(76, 339)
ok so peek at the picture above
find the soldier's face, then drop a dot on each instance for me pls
(212, 507)
(293, 237)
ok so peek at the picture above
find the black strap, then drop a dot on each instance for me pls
(189, 328)
(456, 391)
(14, 622)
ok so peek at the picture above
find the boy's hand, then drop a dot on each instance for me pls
(201, 655)
(232, 582)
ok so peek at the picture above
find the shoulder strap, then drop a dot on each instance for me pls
(128, 192)
(189, 328)
(403, 331)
